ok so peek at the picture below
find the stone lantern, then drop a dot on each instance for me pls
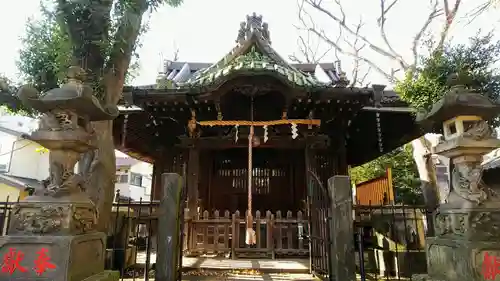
(57, 223)
(468, 219)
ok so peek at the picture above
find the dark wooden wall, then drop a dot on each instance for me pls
(277, 179)
(279, 176)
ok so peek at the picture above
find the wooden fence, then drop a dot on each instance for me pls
(276, 235)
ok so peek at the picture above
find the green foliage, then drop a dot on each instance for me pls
(46, 54)
(425, 86)
(7, 99)
(48, 48)
(477, 59)
(404, 173)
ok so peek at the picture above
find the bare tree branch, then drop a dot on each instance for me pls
(361, 81)
(381, 23)
(356, 50)
(435, 12)
(176, 55)
(305, 44)
(355, 39)
(450, 17)
(388, 75)
(316, 4)
(482, 8)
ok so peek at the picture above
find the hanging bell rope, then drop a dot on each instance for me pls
(250, 238)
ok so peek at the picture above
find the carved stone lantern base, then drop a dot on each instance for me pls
(63, 228)
(74, 257)
(46, 215)
(464, 239)
(468, 220)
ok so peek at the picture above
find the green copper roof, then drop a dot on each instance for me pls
(253, 60)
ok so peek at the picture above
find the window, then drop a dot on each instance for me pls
(135, 179)
(121, 178)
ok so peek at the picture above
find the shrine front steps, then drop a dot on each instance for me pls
(268, 266)
(240, 277)
(106, 275)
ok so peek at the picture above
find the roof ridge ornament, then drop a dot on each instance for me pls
(253, 25)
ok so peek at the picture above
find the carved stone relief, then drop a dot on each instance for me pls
(467, 182)
(485, 225)
(84, 219)
(43, 220)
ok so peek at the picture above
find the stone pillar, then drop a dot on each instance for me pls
(169, 234)
(468, 218)
(53, 233)
(342, 233)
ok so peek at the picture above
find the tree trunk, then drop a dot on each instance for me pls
(426, 171)
(102, 178)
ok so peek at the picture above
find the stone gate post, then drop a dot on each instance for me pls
(341, 229)
(169, 232)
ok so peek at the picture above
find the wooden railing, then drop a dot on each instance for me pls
(224, 234)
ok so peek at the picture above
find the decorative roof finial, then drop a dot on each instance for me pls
(253, 25)
(459, 80)
(75, 75)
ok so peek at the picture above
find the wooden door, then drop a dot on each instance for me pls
(271, 180)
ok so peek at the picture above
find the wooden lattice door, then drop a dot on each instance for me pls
(271, 182)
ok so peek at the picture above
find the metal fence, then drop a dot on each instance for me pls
(6, 214)
(390, 241)
(132, 239)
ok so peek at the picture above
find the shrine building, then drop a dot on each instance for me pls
(197, 119)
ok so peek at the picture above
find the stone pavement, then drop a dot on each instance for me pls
(263, 265)
(244, 277)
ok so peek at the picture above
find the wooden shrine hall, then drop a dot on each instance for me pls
(254, 111)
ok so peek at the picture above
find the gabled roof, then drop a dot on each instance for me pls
(253, 55)
(181, 71)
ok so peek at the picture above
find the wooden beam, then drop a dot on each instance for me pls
(277, 142)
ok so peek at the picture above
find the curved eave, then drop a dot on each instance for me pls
(136, 155)
(142, 96)
(288, 77)
(364, 143)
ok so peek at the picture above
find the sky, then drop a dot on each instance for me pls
(205, 30)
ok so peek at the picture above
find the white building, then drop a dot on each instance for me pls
(133, 178)
(22, 160)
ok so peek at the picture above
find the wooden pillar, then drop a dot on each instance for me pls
(193, 167)
(342, 168)
(156, 188)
